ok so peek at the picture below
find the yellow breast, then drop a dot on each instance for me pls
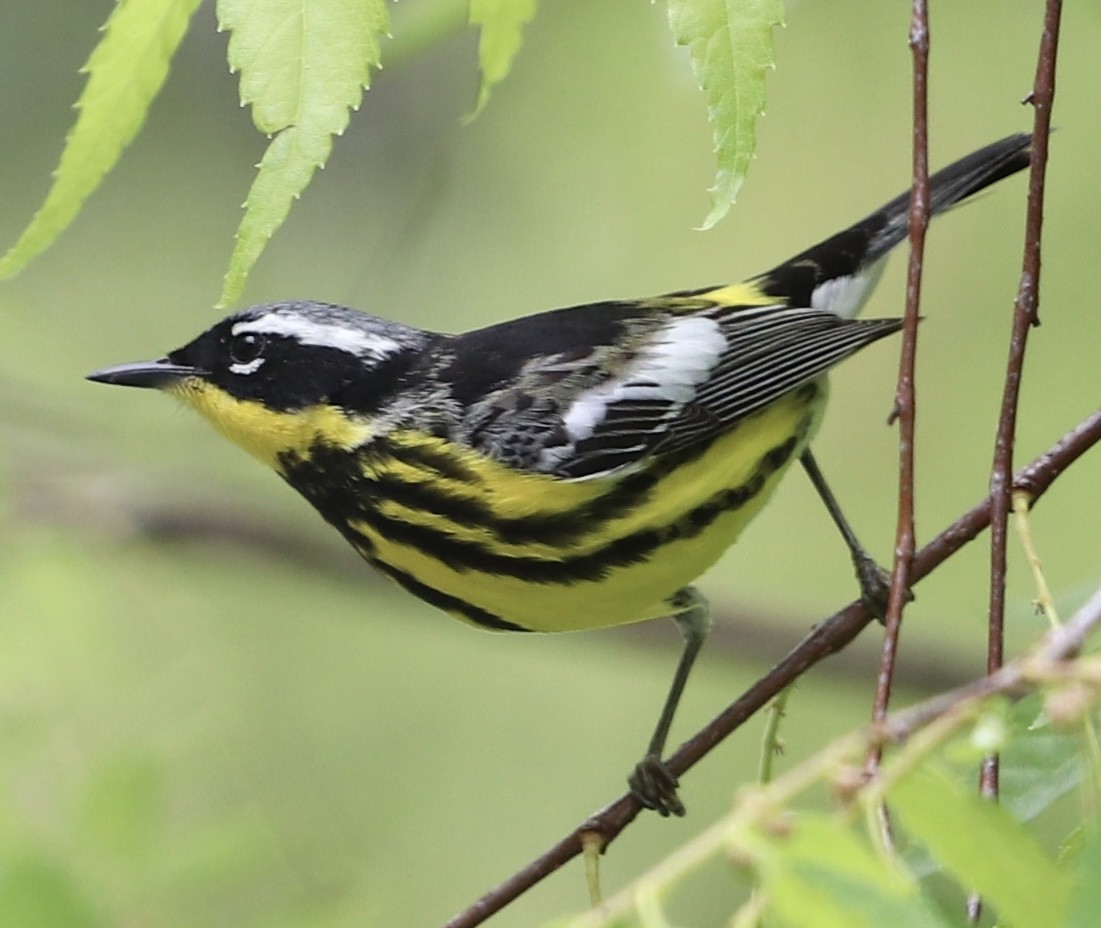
(507, 548)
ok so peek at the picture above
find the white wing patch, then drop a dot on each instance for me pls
(323, 333)
(669, 369)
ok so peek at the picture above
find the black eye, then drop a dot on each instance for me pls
(244, 349)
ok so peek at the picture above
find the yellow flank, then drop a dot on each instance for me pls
(627, 593)
(509, 493)
(266, 433)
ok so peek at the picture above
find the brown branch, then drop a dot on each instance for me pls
(905, 409)
(831, 636)
(1025, 316)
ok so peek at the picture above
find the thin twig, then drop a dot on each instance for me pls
(1045, 602)
(1025, 316)
(771, 744)
(905, 408)
(827, 638)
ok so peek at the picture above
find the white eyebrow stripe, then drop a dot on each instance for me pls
(309, 332)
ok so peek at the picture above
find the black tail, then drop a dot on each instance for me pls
(854, 253)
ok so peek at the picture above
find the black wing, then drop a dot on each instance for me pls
(766, 352)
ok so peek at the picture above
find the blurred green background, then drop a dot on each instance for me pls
(212, 714)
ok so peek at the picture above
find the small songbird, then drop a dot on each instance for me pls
(573, 469)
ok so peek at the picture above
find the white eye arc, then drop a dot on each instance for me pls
(250, 368)
(247, 352)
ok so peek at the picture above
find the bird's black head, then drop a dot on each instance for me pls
(267, 375)
(291, 356)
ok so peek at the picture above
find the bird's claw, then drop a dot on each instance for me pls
(655, 786)
(875, 586)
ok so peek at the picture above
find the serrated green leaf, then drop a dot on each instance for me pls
(982, 848)
(819, 897)
(501, 23)
(730, 44)
(823, 841)
(125, 72)
(1040, 764)
(821, 875)
(304, 65)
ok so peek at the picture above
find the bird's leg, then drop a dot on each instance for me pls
(875, 581)
(652, 782)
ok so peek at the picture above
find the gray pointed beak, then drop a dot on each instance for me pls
(160, 373)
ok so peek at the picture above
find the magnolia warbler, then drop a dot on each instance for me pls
(573, 469)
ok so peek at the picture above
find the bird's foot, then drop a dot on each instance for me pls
(654, 785)
(875, 586)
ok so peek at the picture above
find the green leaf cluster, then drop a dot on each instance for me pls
(303, 67)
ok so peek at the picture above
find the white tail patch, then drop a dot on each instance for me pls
(846, 296)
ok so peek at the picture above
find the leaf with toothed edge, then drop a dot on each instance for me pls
(125, 72)
(730, 44)
(501, 23)
(304, 65)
